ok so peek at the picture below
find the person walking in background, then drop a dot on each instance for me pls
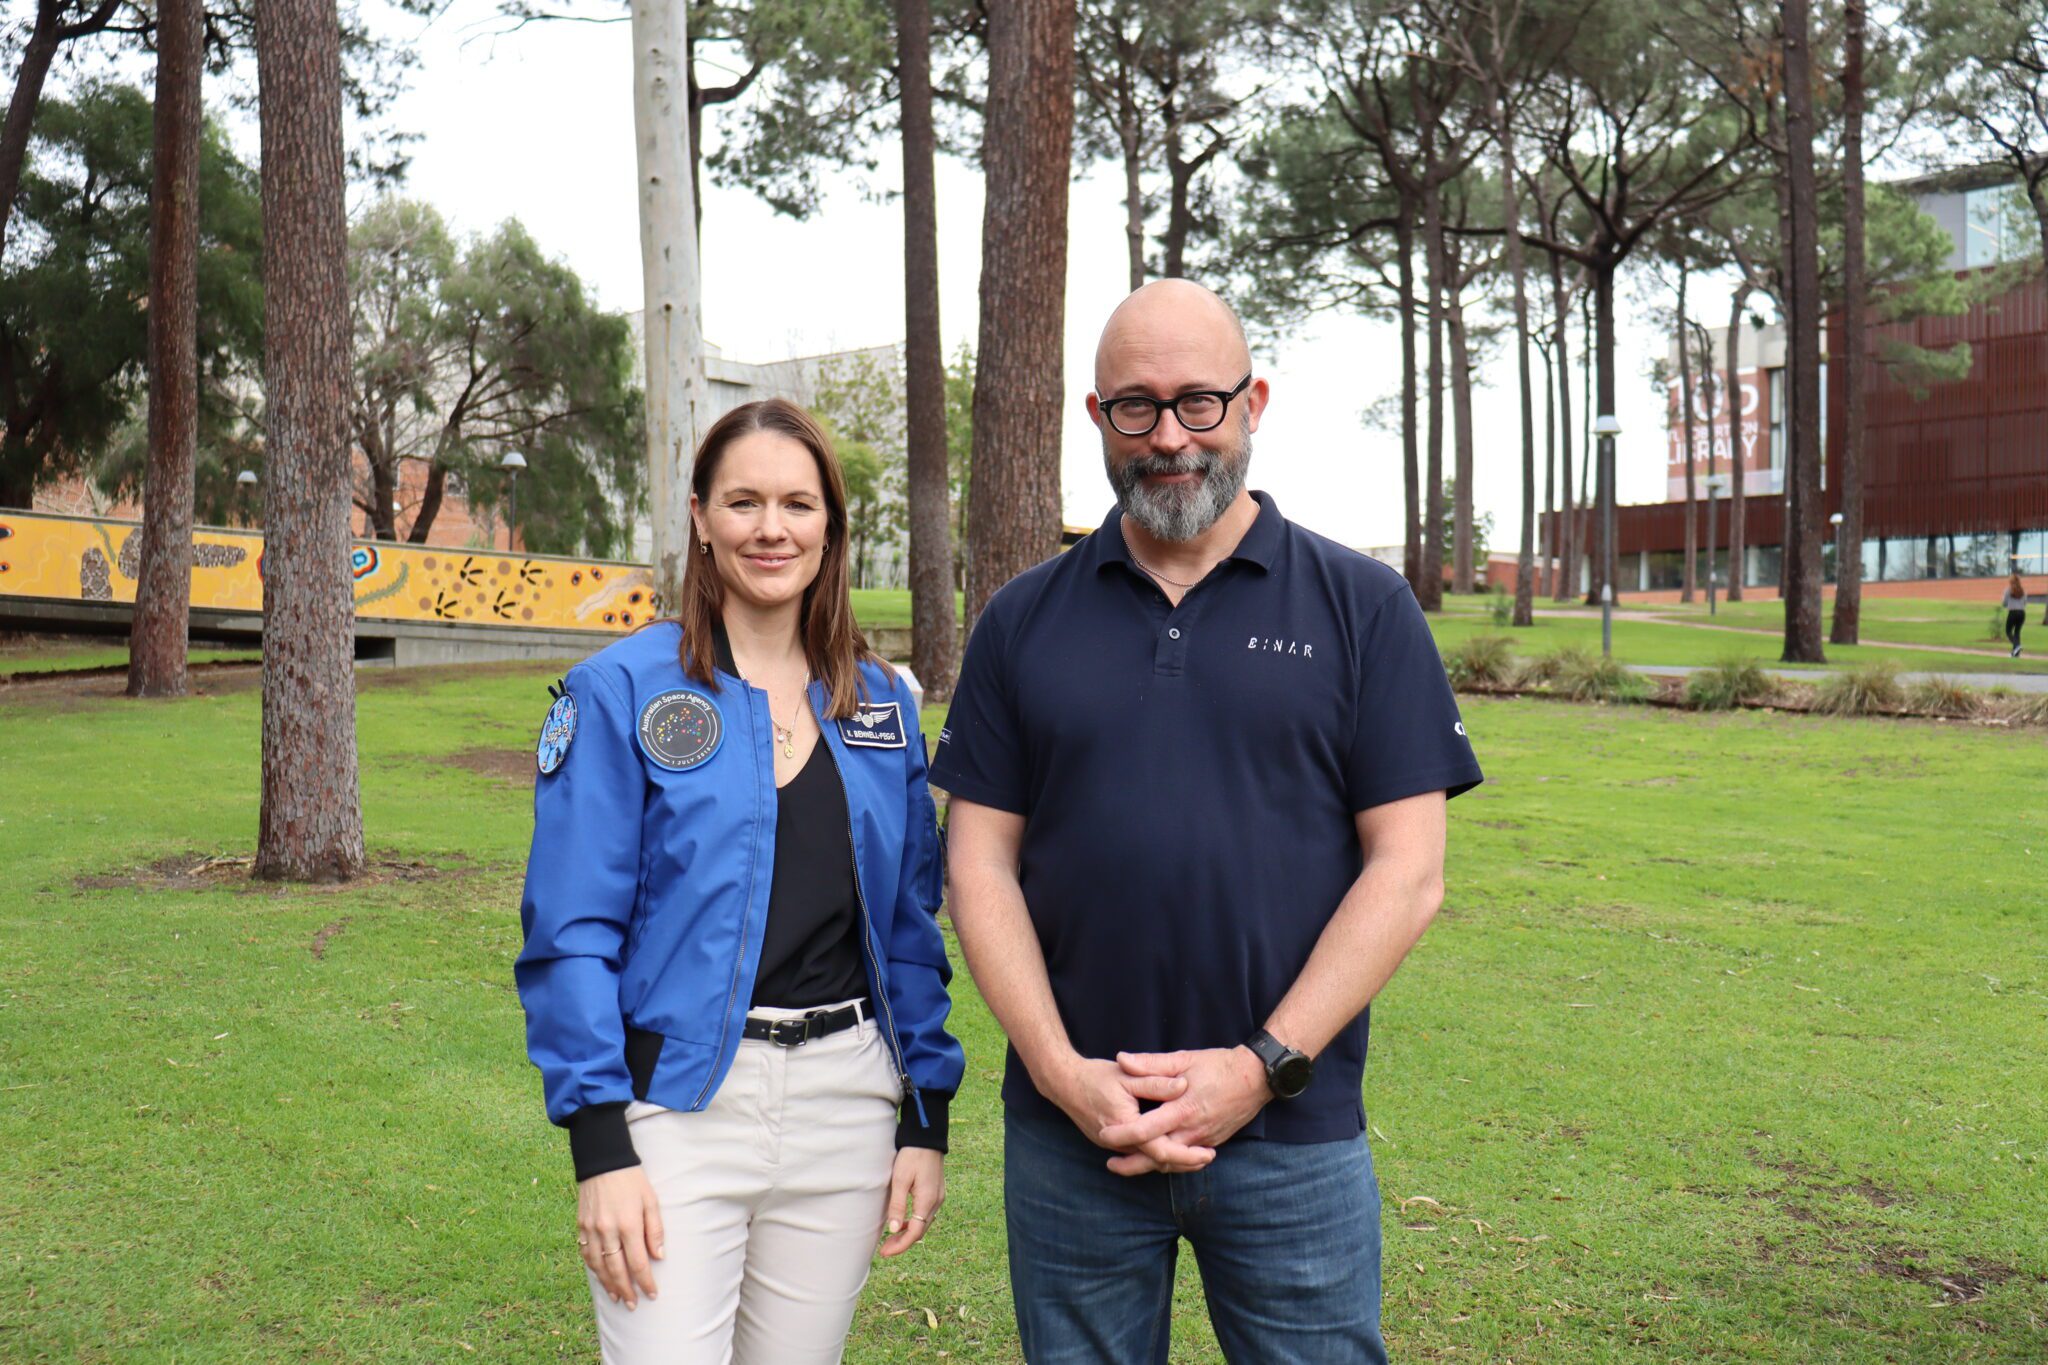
(2015, 611)
(734, 979)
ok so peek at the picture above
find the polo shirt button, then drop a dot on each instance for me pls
(1173, 632)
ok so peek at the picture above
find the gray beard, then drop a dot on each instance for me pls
(1183, 511)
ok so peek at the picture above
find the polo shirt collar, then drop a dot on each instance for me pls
(1260, 545)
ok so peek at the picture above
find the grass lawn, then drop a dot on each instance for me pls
(1641, 641)
(881, 608)
(1692, 1068)
(50, 658)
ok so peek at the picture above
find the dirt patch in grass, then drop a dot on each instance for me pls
(233, 872)
(515, 766)
(1956, 1286)
(318, 947)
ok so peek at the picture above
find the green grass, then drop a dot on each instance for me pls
(1726, 1047)
(1907, 620)
(70, 655)
(1655, 642)
(882, 608)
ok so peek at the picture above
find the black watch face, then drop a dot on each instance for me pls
(1292, 1075)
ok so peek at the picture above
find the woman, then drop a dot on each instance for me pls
(2015, 605)
(734, 979)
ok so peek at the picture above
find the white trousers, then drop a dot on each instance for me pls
(772, 1201)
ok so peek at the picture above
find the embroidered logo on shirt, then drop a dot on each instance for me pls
(555, 733)
(1264, 645)
(875, 726)
(1459, 726)
(680, 729)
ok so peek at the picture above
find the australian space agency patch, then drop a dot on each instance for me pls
(680, 729)
(555, 733)
(874, 726)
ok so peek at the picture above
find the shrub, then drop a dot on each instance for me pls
(1595, 677)
(1733, 682)
(1860, 691)
(1501, 607)
(1940, 696)
(2028, 709)
(1537, 671)
(1481, 661)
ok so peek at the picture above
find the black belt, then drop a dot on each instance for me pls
(797, 1032)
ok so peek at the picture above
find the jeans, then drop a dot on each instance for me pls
(1286, 1235)
(2013, 621)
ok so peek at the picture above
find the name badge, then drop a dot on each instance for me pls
(875, 726)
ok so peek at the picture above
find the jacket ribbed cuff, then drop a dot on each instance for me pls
(599, 1141)
(931, 1134)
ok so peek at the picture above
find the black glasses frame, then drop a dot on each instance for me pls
(1172, 405)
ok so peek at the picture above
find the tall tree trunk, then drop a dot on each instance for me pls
(1131, 136)
(1014, 508)
(429, 510)
(1430, 591)
(1511, 207)
(158, 639)
(384, 496)
(311, 824)
(672, 317)
(1464, 577)
(1568, 566)
(1411, 480)
(1685, 399)
(1849, 544)
(1738, 455)
(1803, 530)
(924, 367)
(46, 36)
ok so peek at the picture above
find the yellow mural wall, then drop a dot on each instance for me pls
(87, 559)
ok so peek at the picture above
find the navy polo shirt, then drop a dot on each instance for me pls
(1189, 777)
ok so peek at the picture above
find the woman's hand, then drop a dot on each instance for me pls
(917, 1186)
(618, 1222)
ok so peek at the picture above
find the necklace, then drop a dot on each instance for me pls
(1171, 582)
(786, 736)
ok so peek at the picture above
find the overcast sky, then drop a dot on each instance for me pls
(538, 125)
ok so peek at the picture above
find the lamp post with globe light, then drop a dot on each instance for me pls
(512, 463)
(245, 492)
(1607, 426)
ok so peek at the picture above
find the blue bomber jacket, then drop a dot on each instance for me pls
(647, 890)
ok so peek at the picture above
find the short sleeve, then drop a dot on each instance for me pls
(1409, 737)
(980, 754)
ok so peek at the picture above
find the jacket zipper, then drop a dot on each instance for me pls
(867, 942)
(746, 915)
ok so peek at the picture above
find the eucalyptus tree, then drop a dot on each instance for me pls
(160, 629)
(1640, 142)
(1988, 65)
(1167, 90)
(1027, 153)
(310, 824)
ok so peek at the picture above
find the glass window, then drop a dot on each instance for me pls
(1905, 558)
(1763, 568)
(1998, 225)
(1982, 556)
(2030, 551)
(1873, 560)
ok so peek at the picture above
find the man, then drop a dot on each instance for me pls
(1198, 768)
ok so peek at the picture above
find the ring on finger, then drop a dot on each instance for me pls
(613, 1252)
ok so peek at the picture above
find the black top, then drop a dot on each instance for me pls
(1190, 779)
(810, 947)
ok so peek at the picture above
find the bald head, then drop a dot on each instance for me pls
(1171, 332)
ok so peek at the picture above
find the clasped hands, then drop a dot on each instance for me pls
(1204, 1097)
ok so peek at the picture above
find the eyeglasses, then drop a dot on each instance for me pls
(1201, 410)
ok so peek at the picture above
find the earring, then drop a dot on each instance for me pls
(702, 548)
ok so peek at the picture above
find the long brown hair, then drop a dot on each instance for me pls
(2016, 587)
(833, 644)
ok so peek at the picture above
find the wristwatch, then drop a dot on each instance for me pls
(1288, 1072)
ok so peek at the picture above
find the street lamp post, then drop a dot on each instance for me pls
(1607, 426)
(511, 464)
(245, 489)
(1836, 522)
(1715, 483)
